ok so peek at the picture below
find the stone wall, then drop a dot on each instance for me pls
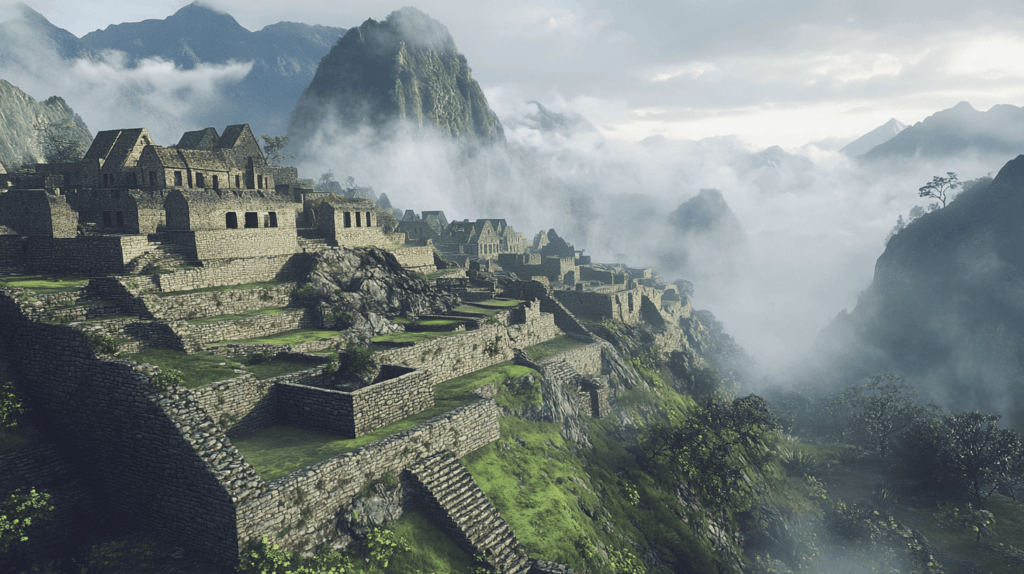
(586, 360)
(239, 405)
(84, 255)
(211, 304)
(38, 213)
(416, 258)
(252, 327)
(565, 319)
(353, 414)
(586, 304)
(12, 252)
(235, 272)
(450, 357)
(301, 510)
(147, 474)
(624, 305)
(230, 243)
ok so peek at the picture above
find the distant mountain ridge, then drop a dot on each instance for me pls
(873, 138)
(955, 131)
(284, 56)
(19, 140)
(406, 67)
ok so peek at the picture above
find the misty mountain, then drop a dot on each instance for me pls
(959, 130)
(284, 56)
(19, 140)
(875, 137)
(406, 67)
(776, 157)
(946, 305)
(545, 121)
(703, 238)
(33, 31)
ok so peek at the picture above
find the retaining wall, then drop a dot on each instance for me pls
(300, 511)
(100, 254)
(252, 327)
(353, 414)
(210, 304)
(235, 272)
(416, 258)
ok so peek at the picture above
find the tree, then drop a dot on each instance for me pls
(981, 452)
(272, 146)
(715, 449)
(882, 407)
(939, 187)
(17, 512)
(325, 179)
(59, 143)
(10, 406)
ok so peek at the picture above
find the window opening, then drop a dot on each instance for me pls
(272, 218)
(120, 219)
(368, 219)
(259, 182)
(252, 219)
(177, 179)
(107, 222)
(348, 219)
(216, 184)
(200, 180)
(358, 216)
(238, 181)
(231, 220)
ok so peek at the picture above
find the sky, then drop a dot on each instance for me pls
(717, 81)
(776, 72)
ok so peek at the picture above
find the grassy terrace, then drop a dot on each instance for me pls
(473, 309)
(219, 318)
(222, 288)
(404, 337)
(44, 283)
(509, 304)
(198, 369)
(280, 450)
(287, 338)
(553, 347)
(201, 369)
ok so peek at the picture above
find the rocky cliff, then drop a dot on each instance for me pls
(19, 138)
(945, 307)
(404, 68)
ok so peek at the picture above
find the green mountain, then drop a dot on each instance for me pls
(404, 67)
(19, 138)
(944, 309)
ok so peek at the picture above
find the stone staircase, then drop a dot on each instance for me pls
(161, 256)
(447, 491)
(312, 240)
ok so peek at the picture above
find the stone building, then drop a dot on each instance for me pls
(345, 222)
(224, 224)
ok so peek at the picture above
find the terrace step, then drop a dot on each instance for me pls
(453, 497)
(161, 256)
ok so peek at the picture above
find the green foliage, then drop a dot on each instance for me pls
(382, 544)
(103, 344)
(10, 406)
(18, 510)
(981, 452)
(122, 556)
(359, 359)
(715, 448)
(882, 408)
(266, 558)
(59, 142)
(799, 463)
(261, 357)
(306, 294)
(272, 146)
(165, 379)
(879, 542)
(492, 349)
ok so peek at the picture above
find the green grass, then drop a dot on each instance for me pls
(222, 288)
(219, 318)
(198, 369)
(288, 338)
(280, 450)
(404, 337)
(44, 283)
(437, 323)
(430, 549)
(103, 318)
(552, 347)
(459, 390)
(263, 371)
(496, 303)
(959, 541)
(477, 310)
(402, 321)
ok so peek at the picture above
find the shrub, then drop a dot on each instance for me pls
(103, 344)
(306, 294)
(360, 359)
(167, 378)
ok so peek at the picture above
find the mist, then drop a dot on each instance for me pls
(815, 221)
(110, 94)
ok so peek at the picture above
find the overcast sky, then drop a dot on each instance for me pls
(784, 72)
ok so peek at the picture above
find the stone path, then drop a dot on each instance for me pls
(449, 492)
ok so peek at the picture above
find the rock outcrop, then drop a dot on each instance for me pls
(19, 139)
(404, 68)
